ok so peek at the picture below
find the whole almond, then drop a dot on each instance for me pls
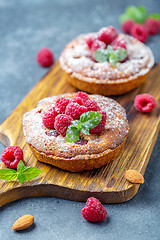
(134, 176)
(23, 222)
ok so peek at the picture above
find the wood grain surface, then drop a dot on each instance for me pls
(107, 183)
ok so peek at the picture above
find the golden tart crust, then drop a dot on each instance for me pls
(102, 77)
(99, 149)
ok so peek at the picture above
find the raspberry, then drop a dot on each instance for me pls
(94, 211)
(45, 57)
(61, 123)
(139, 31)
(91, 105)
(11, 156)
(97, 44)
(49, 118)
(101, 125)
(119, 43)
(127, 26)
(107, 34)
(153, 26)
(90, 39)
(75, 110)
(61, 105)
(77, 100)
(144, 102)
(83, 96)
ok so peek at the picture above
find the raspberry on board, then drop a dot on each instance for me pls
(45, 57)
(11, 156)
(90, 39)
(139, 31)
(61, 105)
(107, 34)
(94, 211)
(75, 110)
(101, 125)
(83, 96)
(127, 26)
(91, 105)
(49, 118)
(153, 26)
(61, 123)
(145, 102)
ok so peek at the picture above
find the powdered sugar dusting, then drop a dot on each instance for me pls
(115, 131)
(76, 59)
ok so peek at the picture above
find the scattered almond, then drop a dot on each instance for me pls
(23, 222)
(134, 176)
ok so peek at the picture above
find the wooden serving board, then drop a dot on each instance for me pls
(107, 183)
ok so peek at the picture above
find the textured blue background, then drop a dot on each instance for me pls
(25, 27)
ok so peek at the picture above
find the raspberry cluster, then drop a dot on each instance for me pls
(141, 31)
(106, 36)
(67, 110)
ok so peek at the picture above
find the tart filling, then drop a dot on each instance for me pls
(50, 142)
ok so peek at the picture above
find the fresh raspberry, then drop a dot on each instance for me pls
(61, 105)
(11, 156)
(144, 102)
(127, 26)
(107, 34)
(45, 57)
(153, 26)
(90, 39)
(101, 125)
(97, 44)
(139, 31)
(119, 43)
(94, 211)
(91, 105)
(75, 110)
(83, 96)
(49, 118)
(77, 100)
(61, 123)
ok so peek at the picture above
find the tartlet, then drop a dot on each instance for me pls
(91, 151)
(101, 77)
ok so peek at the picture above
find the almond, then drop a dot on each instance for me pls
(23, 222)
(134, 176)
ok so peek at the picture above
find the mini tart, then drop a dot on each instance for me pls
(102, 77)
(97, 149)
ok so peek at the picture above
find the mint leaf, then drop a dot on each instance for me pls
(85, 129)
(121, 54)
(20, 166)
(21, 177)
(100, 55)
(138, 14)
(31, 172)
(155, 16)
(8, 174)
(91, 119)
(72, 134)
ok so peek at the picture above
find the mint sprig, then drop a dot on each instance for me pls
(138, 14)
(110, 55)
(87, 121)
(23, 173)
(155, 16)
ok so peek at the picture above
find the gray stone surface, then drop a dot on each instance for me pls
(25, 27)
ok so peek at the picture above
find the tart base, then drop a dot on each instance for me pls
(116, 87)
(88, 162)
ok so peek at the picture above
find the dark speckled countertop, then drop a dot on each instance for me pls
(25, 27)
